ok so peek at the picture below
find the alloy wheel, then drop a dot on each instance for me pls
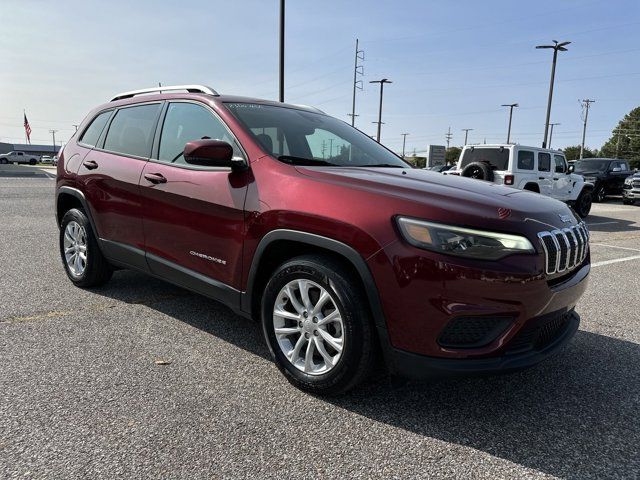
(75, 248)
(308, 326)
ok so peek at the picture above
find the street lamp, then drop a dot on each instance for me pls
(556, 48)
(379, 122)
(551, 133)
(511, 107)
(466, 134)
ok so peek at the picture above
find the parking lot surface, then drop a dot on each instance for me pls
(143, 379)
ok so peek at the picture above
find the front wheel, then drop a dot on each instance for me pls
(82, 259)
(583, 203)
(628, 201)
(599, 194)
(32, 161)
(317, 325)
(3, 161)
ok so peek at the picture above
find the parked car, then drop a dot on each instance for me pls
(49, 160)
(606, 174)
(18, 157)
(535, 169)
(631, 189)
(343, 258)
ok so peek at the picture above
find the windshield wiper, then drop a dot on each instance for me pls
(302, 161)
(382, 165)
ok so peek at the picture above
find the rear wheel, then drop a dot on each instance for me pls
(32, 161)
(82, 259)
(3, 161)
(317, 325)
(583, 203)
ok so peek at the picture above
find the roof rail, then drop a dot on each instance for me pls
(168, 88)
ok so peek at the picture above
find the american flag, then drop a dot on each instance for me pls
(27, 128)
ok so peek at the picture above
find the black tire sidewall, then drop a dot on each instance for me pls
(580, 208)
(354, 317)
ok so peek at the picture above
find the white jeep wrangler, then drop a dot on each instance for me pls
(536, 169)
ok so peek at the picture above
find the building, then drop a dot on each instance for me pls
(38, 150)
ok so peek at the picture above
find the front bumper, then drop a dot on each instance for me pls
(628, 193)
(526, 352)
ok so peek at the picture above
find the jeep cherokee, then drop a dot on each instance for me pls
(341, 250)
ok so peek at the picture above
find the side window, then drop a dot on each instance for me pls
(544, 162)
(92, 133)
(20, 153)
(625, 167)
(131, 130)
(525, 160)
(185, 122)
(561, 164)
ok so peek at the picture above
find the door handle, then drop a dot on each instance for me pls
(155, 178)
(90, 164)
(540, 178)
(556, 178)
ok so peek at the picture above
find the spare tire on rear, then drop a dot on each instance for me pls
(478, 170)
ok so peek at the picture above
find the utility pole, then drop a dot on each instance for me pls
(511, 107)
(324, 147)
(53, 132)
(551, 133)
(466, 134)
(379, 122)
(586, 103)
(281, 96)
(357, 84)
(556, 48)
(330, 147)
(448, 136)
(404, 141)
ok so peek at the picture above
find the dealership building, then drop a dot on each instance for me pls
(38, 150)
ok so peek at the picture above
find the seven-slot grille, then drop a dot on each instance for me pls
(566, 248)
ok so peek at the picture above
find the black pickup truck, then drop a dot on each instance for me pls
(606, 174)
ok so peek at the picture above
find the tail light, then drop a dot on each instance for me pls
(508, 179)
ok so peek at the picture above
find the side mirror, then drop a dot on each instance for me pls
(616, 169)
(571, 169)
(211, 153)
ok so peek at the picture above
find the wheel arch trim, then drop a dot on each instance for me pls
(74, 192)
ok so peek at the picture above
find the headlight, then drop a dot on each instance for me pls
(628, 180)
(462, 242)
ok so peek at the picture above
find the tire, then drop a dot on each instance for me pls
(479, 171)
(95, 269)
(3, 161)
(599, 194)
(32, 161)
(583, 203)
(626, 201)
(336, 371)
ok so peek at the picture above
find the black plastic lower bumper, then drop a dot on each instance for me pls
(412, 365)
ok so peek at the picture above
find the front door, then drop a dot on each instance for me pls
(544, 173)
(193, 216)
(562, 183)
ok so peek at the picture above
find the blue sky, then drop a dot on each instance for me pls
(451, 63)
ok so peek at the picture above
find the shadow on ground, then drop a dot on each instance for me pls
(599, 223)
(575, 415)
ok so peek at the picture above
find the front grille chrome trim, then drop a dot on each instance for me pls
(566, 249)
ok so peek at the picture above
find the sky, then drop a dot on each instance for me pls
(452, 63)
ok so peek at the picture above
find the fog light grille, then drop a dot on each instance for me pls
(472, 332)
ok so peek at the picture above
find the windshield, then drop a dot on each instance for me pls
(591, 166)
(306, 138)
(497, 157)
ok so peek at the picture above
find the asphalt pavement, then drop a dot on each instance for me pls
(141, 379)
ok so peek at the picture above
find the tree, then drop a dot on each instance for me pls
(573, 152)
(625, 138)
(451, 155)
(418, 162)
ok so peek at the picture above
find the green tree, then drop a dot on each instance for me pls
(451, 155)
(625, 139)
(418, 162)
(573, 152)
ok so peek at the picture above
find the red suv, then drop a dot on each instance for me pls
(344, 252)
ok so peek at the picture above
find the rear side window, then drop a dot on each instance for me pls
(92, 133)
(131, 130)
(544, 162)
(496, 157)
(526, 160)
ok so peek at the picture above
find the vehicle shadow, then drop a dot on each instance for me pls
(577, 415)
(598, 223)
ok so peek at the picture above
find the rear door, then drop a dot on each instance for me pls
(193, 215)
(110, 176)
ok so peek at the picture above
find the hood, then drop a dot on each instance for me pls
(590, 173)
(465, 200)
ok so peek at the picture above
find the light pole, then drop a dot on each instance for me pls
(551, 132)
(281, 51)
(556, 48)
(466, 134)
(404, 140)
(379, 122)
(511, 107)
